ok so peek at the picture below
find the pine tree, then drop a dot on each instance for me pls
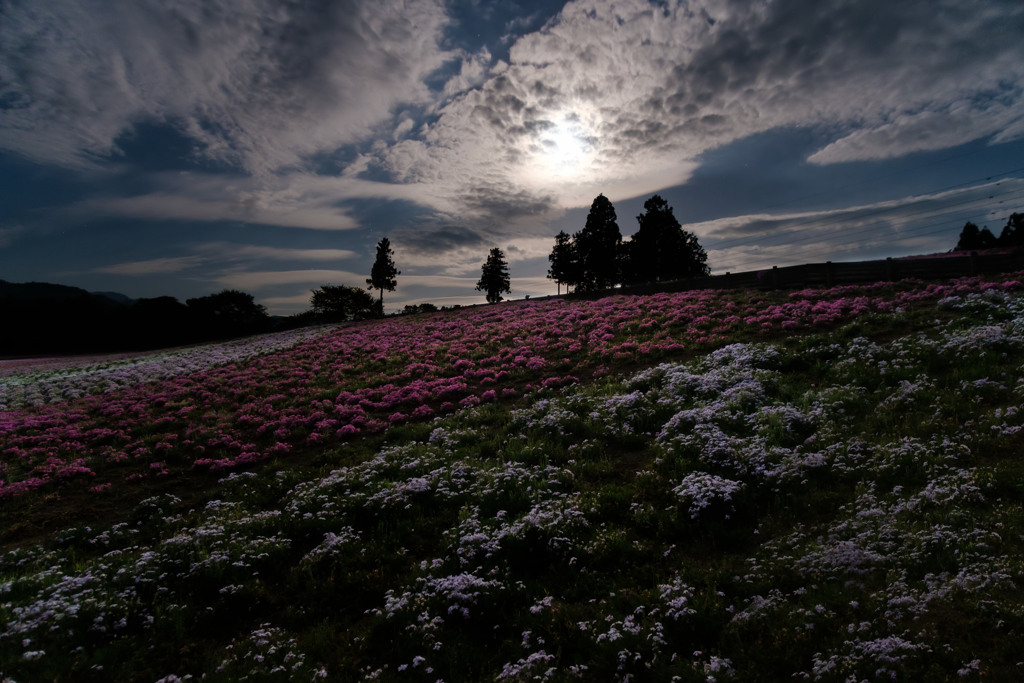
(494, 278)
(661, 250)
(1013, 232)
(564, 268)
(598, 246)
(382, 275)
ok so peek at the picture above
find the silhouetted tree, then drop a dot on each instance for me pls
(161, 321)
(494, 277)
(336, 303)
(382, 275)
(1013, 232)
(661, 250)
(598, 246)
(228, 313)
(971, 238)
(564, 268)
(411, 309)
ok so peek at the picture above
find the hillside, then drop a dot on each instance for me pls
(820, 484)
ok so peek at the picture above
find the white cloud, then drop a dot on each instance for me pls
(912, 225)
(256, 280)
(622, 97)
(159, 266)
(285, 253)
(472, 73)
(170, 206)
(435, 282)
(235, 257)
(256, 83)
(922, 131)
(640, 89)
(297, 200)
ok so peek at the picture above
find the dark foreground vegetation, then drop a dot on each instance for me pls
(42, 318)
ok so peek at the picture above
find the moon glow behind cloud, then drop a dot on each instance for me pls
(136, 133)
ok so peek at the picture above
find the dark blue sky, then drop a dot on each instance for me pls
(181, 148)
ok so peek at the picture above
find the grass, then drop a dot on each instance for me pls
(826, 506)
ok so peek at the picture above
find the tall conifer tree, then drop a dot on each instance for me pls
(598, 246)
(384, 272)
(494, 278)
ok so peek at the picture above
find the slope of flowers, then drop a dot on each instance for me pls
(364, 377)
(28, 383)
(826, 508)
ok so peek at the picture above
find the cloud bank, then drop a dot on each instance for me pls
(297, 111)
(256, 84)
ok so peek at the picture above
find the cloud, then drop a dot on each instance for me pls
(159, 266)
(624, 97)
(621, 97)
(169, 206)
(297, 200)
(288, 254)
(431, 242)
(257, 280)
(258, 84)
(455, 251)
(223, 255)
(911, 225)
(923, 131)
(472, 72)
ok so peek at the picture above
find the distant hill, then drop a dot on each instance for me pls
(116, 296)
(40, 290)
(28, 291)
(41, 318)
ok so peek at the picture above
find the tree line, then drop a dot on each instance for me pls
(42, 318)
(973, 238)
(597, 258)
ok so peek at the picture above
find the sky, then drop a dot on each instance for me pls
(185, 147)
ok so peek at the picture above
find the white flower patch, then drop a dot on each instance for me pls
(621, 413)
(455, 593)
(732, 376)
(531, 668)
(333, 545)
(881, 658)
(676, 597)
(267, 653)
(713, 668)
(957, 487)
(549, 415)
(73, 380)
(702, 490)
(907, 394)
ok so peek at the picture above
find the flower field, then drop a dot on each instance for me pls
(819, 485)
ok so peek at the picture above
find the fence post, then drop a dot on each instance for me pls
(775, 277)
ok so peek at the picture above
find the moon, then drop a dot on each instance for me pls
(563, 154)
